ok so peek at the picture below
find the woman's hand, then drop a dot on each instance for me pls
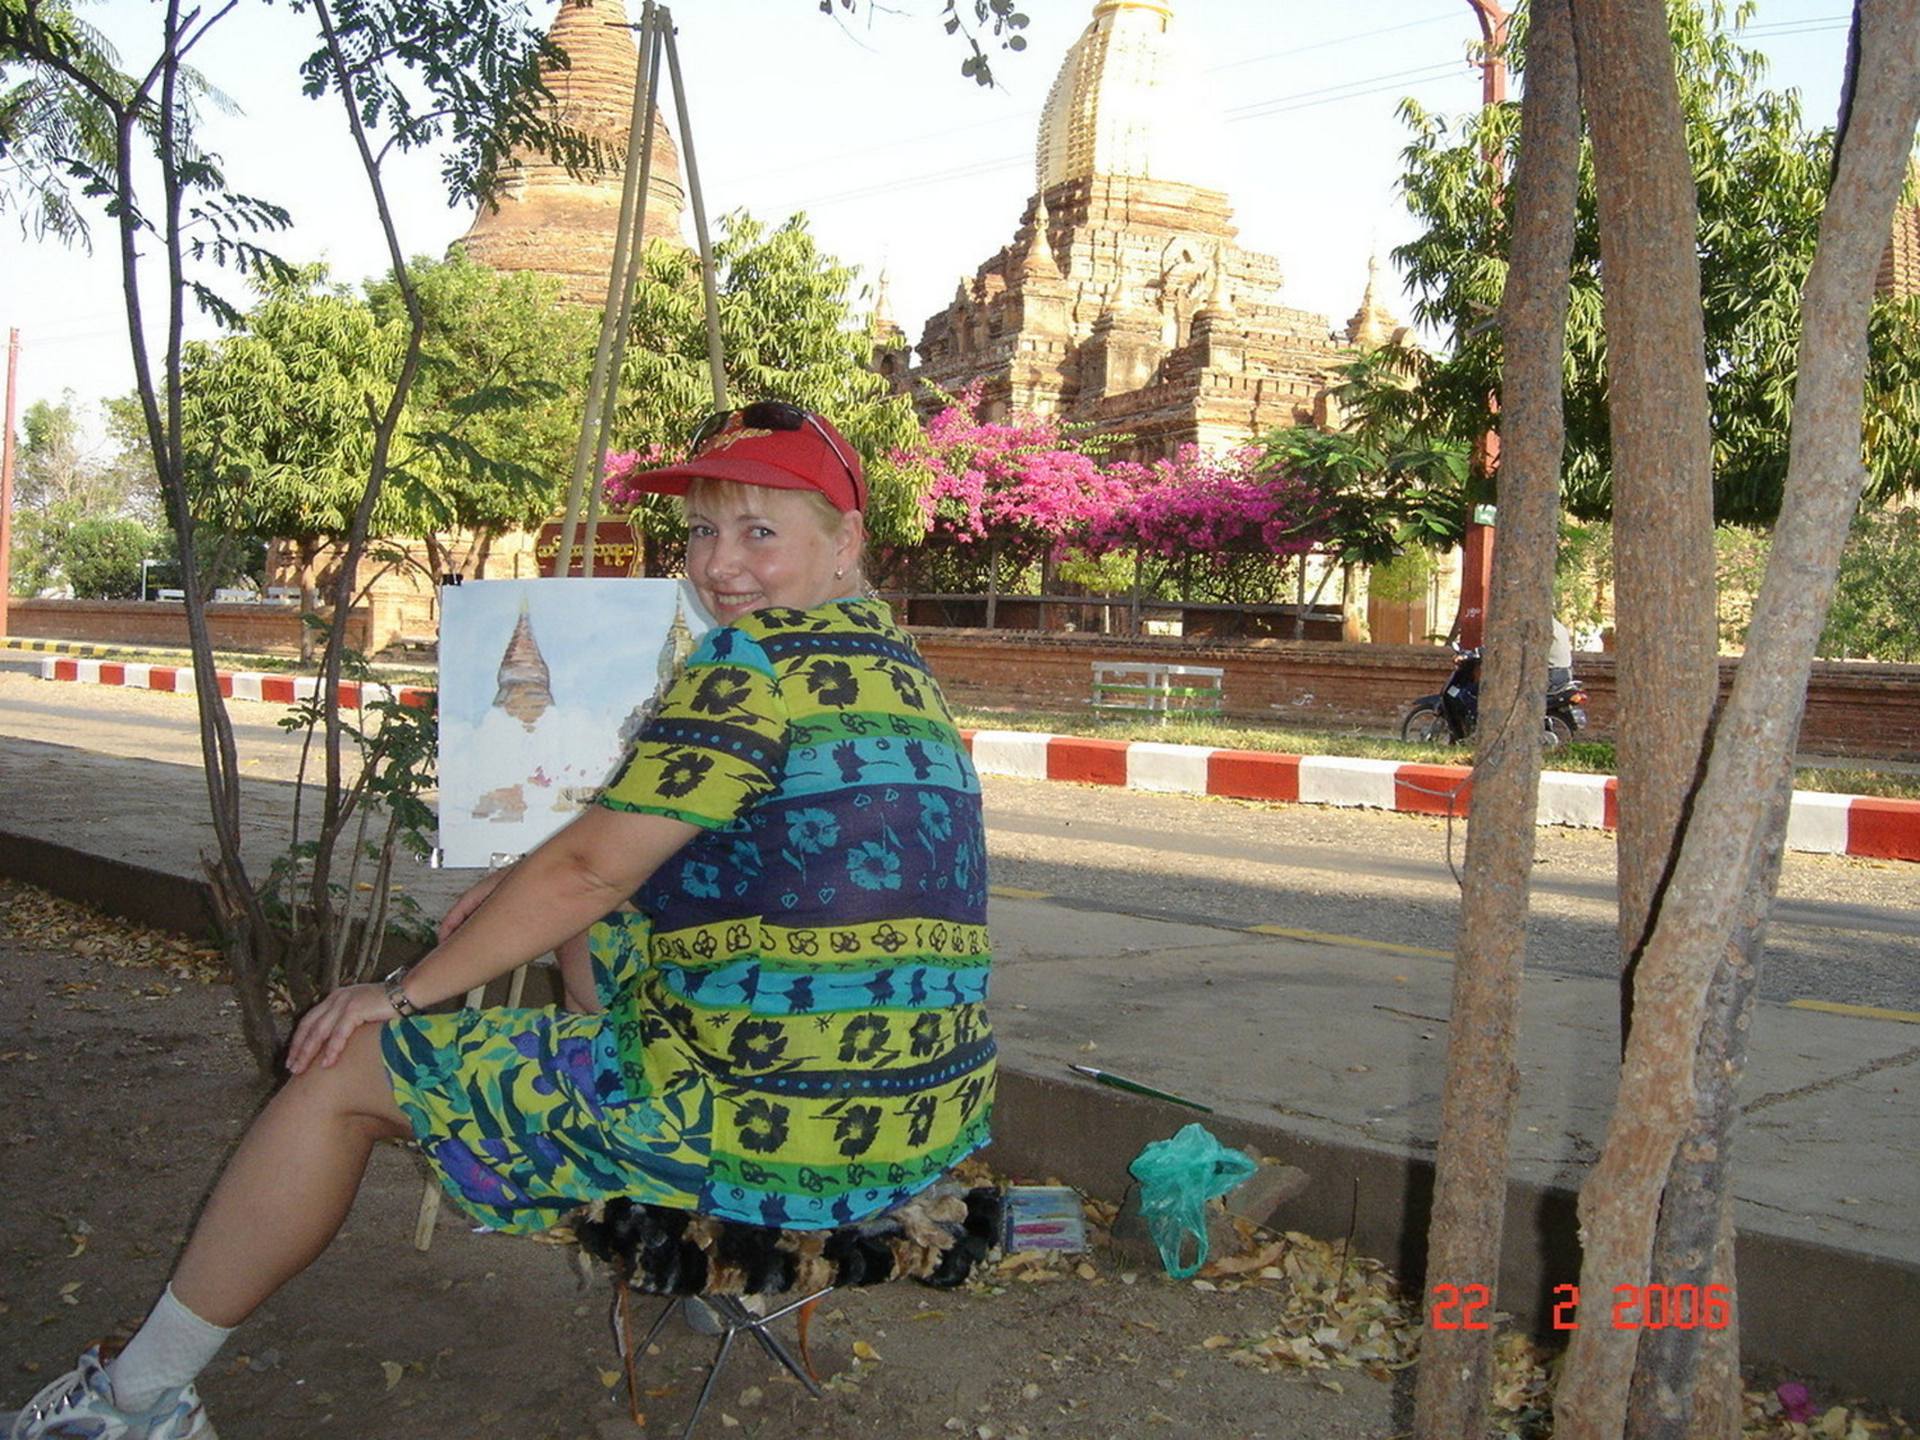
(470, 900)
(324, 1030)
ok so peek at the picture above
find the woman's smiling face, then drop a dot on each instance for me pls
(749, 547)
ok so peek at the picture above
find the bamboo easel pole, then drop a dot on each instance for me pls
(609, 318)
(716, 357)
(651, 31)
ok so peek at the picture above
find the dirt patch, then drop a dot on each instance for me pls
(125, 1084)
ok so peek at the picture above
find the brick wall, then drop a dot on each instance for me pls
(261, 629)
(1852, 709)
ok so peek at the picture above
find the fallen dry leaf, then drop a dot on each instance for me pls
(393, 1370)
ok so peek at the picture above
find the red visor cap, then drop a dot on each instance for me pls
(815, 457)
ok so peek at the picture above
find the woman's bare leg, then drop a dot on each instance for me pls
(289, 1186)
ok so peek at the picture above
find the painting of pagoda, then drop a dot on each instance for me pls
(543, 684)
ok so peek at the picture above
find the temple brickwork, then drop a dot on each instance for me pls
(554, 223)
(1124, 299)
(1900, 265)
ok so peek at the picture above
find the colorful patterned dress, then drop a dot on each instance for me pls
(794, 1033)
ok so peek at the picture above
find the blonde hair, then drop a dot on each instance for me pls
(734, 492)
(826, 514)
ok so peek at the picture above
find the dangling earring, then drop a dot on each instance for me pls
(840, 574)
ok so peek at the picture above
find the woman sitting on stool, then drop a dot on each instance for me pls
(784, 891)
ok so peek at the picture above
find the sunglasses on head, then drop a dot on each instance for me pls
(772, 415)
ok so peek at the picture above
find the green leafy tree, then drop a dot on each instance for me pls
(1876, 602)
(63, 478)
(279, 420)
(1383, 498)
(496, 408)
(790, 334)
(1391, 474)
(1583, 575)
(1761, 177)
(48, 121)
(102, 557)
(61, 468)
(34, 557)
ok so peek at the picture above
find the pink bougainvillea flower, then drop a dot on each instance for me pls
(1021, 484)
(622, 465)
(1795, 1403)
(1218, 505)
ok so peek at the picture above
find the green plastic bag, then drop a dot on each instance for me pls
(1177, 1177)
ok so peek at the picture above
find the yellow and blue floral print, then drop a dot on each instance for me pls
(794, 999)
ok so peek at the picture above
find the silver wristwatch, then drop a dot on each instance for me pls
(395, 984)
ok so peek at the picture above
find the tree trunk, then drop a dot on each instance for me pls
(1675, 1392)
(306, 567)
(1476, 1116)
(1721, 878)
(1666, 638)
(993, 582)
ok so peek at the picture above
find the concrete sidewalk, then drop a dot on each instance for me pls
(1328, 1055)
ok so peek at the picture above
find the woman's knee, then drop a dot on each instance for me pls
(357, 1087)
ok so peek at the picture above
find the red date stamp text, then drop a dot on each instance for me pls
(1635, 1307)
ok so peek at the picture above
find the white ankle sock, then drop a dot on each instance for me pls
(172, 1347)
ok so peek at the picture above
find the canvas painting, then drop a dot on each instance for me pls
(543, 683)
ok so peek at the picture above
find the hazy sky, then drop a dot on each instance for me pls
(869, 128)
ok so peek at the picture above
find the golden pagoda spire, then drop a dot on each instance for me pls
(1372, 325)
(1128, 101)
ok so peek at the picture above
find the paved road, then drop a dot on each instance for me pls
(1845, 931)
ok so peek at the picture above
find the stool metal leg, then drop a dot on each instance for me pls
(706, 1390)
(741, 1318)
(738, 1320)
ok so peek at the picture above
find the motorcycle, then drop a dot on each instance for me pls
(1449, 717)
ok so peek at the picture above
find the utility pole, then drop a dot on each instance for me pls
(1476, 567)
(6, 482)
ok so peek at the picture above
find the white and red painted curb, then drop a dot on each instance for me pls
(1825, 824)
(234, 685)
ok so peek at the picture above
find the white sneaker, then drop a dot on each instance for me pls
(79, 1406)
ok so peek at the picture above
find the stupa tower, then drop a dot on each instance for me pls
(1373, 325)
(525, 683)
(1124, 300)
(553, 223)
